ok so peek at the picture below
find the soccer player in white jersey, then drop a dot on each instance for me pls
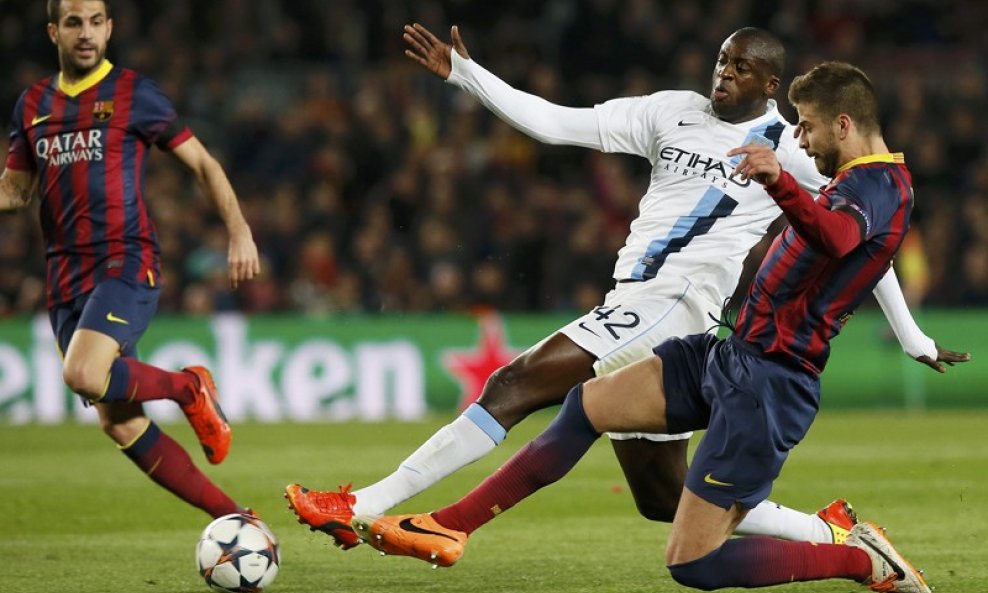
(682, 259)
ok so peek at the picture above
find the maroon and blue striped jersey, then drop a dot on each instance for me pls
(804, 292)
(87, 142)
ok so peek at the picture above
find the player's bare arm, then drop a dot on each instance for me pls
(243, 260)
(431, 52)
(15, 189)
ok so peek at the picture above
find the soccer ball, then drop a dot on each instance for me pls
(237, 554)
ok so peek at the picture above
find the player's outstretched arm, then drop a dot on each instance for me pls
(434, 54)
(15, 189)
(529, 114)
(914, 342)
(242, 257)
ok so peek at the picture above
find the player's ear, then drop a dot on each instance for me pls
(772, 86)
(844, 124)
(109, 29)
(53, 33)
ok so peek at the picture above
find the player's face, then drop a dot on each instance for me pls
(742, 83)
(818, 137)
(81, 34)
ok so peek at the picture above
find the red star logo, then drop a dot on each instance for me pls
(471, 368)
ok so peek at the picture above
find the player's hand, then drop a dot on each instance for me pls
(944, 356)
(431, 52)
(243, 259)
(759, 163)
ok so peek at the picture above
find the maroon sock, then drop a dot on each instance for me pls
(764, 561)
(133, 381)
(541, 462)
(168, 464)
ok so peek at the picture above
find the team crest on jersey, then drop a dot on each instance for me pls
(102, 110)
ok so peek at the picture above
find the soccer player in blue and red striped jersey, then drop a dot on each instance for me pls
(82, 138)
(756, 392)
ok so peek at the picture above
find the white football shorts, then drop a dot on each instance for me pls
(636, 317)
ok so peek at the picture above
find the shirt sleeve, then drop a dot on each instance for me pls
(530, 114)
(630, 125)
(155, 118)
(19, 155)
(831, 231)
(866, 194)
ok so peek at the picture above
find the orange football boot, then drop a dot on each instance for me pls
(418, 536)
(206, 416)
(840, 518)
(326, 511)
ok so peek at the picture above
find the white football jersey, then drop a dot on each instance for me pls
(695, 221)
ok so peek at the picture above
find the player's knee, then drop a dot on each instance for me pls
(82, 380)
(658, 499)
(504, 395)
(123, 432)
(662, 509)
(703, 573)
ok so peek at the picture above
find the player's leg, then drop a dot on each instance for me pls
(627, 399)
(538, 378)
(756, 411)
(101, 364)
(161, 457)
(655, 470)
(633, 318)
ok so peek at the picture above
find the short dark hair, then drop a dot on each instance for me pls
(837, 87)
(765, 46)
(55, 10)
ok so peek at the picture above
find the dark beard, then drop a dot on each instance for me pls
(827, 164)
(76, 72)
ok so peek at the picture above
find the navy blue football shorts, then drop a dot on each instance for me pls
(119, 309)
(753, 408)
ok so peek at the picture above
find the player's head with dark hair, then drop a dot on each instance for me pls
(55, 10)
(80, 29)
(834, 100)
(748, 71)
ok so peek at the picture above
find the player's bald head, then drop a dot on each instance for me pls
(764, 46)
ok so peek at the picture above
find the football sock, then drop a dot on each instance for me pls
(764, 561)
(133, 381)
(775, 520)
(472, 435)
(168, 464)
(539, 463)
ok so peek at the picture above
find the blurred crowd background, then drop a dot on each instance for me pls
(371, 186)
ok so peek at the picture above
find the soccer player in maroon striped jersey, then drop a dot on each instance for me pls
(756, 392)
(81, 137)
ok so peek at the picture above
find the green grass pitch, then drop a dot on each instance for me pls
(76, 516)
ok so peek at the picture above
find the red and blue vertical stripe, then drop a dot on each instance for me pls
(800, 299)
(88, 147)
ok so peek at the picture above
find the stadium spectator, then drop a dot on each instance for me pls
(291, 93)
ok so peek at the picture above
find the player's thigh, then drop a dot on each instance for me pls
(629, 399)
(121, 310)
(90, 353)
(759, 410)
(538, 378)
